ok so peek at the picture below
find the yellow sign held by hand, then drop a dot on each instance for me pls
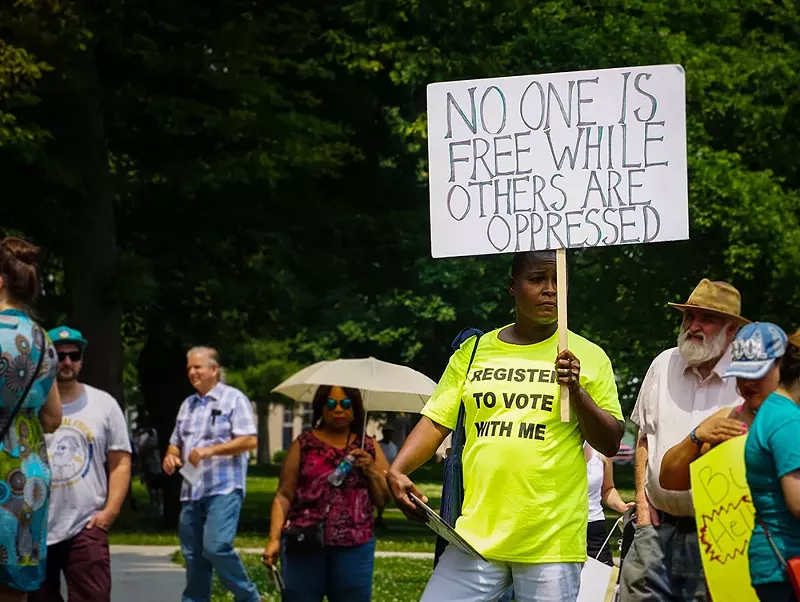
(725, 517)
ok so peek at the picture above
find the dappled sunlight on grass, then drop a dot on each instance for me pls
(399, 534)
(394, 580)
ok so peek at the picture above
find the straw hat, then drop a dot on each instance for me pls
(715, 297)
(795, 339)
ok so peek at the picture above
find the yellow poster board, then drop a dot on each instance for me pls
(725, 516)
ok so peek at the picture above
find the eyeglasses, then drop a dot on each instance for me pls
(346, 403)
(74, 356)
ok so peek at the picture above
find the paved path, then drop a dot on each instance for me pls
(147, 573)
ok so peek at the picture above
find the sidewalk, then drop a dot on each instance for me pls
(147, 573)
(378, 554)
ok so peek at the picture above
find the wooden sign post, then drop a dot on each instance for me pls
(725, 517)
(561, 278)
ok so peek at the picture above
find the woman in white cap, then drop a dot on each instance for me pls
(772, 455)
(754, 353)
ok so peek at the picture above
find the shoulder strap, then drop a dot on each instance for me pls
(34, 376)
(465, 335)
(453, 487)
(459, 434)
(610, 533)
(775, 549)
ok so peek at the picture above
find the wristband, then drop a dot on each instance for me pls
(693, 436)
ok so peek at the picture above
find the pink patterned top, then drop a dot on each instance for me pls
(350, 519)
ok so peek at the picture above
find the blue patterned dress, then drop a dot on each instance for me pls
(24, 470)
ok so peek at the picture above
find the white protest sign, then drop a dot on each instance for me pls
(566, 160)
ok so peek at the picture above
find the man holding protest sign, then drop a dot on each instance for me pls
(682, 388)
(525, 487)
(530, 164)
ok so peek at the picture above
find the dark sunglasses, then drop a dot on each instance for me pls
(346, 403)
(74, 356)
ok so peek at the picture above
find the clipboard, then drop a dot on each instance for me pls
(437, 524)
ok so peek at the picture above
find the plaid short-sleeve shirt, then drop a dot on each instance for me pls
(218, 417)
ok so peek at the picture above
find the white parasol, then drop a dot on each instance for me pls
(384, 387)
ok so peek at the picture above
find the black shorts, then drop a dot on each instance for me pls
(154, 481)
(596, 534)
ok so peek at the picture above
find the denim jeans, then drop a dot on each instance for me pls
(776, 592)
(206, 530)
(343, 574)
(663, 565)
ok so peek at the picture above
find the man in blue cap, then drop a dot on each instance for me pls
(90, 459)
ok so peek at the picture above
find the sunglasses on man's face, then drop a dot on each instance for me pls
(74, 356)
(345, 403)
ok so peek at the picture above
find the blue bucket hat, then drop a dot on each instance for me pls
(755, 349)
(65, 334)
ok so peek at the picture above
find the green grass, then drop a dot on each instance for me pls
(401, 535)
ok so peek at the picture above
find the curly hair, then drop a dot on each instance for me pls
(19, 266)
(790, 366)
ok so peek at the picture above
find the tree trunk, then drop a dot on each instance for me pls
(163, 382)
(262, 411)
(89, 241)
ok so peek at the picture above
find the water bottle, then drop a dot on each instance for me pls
(337, 477)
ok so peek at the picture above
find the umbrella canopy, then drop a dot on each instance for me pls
(385, 387)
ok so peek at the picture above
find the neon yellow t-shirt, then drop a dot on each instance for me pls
(525, 487)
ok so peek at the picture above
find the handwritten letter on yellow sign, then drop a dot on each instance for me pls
(725, 516)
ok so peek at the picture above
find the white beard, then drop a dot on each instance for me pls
(696, 353)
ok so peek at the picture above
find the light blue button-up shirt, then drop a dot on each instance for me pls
(218, 417)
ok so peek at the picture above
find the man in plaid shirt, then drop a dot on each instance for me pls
(214, 432)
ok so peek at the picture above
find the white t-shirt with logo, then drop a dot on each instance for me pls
(92, 426)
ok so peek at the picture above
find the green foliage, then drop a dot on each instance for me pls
(279, 456)
(395, 579)
(741, 61)
(267, 167)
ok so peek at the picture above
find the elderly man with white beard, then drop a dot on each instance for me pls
(683, 387)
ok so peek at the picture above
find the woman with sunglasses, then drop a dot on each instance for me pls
(31, 407)
(323, 531)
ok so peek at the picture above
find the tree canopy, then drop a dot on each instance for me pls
(254, 175)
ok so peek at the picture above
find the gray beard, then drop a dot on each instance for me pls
(700, 353)
(63, 379)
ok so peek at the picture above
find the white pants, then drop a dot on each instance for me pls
(461, 578)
